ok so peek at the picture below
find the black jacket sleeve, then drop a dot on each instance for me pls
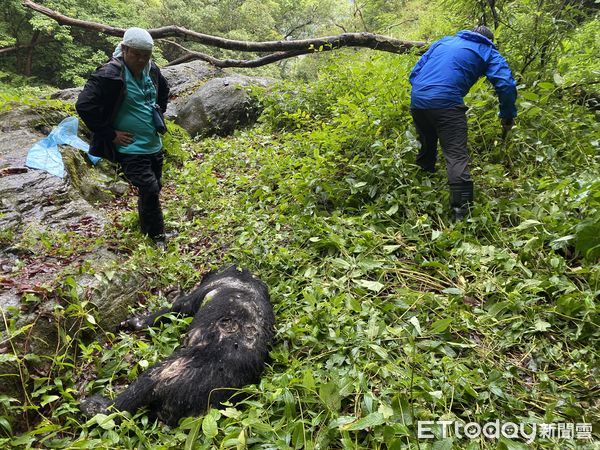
(163, 92)
(92, 107)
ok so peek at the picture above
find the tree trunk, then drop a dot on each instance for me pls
(30, 49)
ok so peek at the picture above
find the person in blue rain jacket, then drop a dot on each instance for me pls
(440, 80)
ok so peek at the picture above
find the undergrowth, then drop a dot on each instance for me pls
(386, 313)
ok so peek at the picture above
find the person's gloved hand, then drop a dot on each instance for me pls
(507, 125)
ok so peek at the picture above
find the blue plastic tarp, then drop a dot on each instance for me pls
(44, 154)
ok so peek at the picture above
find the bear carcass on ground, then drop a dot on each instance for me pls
(225, 348)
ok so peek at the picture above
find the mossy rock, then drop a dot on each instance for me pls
(42, 118)
(97, 184)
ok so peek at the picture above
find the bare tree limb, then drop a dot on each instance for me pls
(278, 49)
(358, 12)
(16, 48)
(341, 27)
(296, 28)
(267, 59)
(222, 63)
(492, 5)
(12, 48)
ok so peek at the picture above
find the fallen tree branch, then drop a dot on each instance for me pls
(278, 49)
(262, 61)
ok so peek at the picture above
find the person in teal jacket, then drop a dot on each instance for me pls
(440, 80)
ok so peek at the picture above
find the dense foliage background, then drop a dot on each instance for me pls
(386, 312)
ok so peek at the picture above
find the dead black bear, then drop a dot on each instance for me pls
(225, 348)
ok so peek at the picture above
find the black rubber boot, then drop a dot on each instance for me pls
(160, 242)
(461, 199)
(142, 218)
(152, 222)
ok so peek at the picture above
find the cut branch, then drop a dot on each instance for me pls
(278, 49)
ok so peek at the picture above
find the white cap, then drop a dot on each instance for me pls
(138, 38)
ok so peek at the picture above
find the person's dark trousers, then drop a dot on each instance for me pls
(145, 173)
(449, 127)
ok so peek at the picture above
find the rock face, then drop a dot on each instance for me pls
(67, 95)
(184, 79)
(206, 100)
(48, 231)
(31, 197)
(221, 106)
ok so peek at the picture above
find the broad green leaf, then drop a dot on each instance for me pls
(546, 86)
(567, 238)
(497, 391)
(415, 323)
(453, 291)
(393, 210)
(541, 325)
(298, 436)
(558, 79)
(330, 395)
(105, 422)
(497, 308)
(381, 352)
(8, 357)
(48, 399)
(528, 95)
(241, 440)
(441, 325)
(370, 421)
(508, 444)
(443, 444)
(374, 286)
(308, 380)
(24, 439)
(528, 224)
(341, 263)
(386, 411)
(210, 427)
(4, 423)
(436, 395)
(192, 437)
(588, 239)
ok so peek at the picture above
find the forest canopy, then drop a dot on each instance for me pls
(33, 45)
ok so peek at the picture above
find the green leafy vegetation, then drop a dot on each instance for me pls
(386, 312)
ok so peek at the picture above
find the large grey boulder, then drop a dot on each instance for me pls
(185, 79)
(221, 106)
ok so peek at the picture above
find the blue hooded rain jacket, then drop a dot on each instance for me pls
(452, 65)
